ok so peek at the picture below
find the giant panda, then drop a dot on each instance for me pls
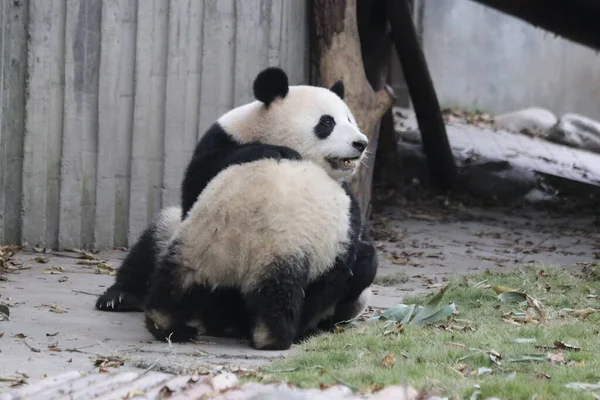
(271, 248)
(221, 146)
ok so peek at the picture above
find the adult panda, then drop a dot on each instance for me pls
(221, 146)
(273, 248)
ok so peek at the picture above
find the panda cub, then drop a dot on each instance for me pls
(272, 248)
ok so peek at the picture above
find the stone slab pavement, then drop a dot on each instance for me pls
(75, 385)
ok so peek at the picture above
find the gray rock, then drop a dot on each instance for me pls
(535, 120)
(577, 131)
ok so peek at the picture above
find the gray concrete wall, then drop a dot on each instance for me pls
(117, 94)
(481, 58)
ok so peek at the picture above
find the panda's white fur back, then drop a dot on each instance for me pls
(165, 226)
(253, 214)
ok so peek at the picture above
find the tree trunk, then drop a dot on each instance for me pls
(336, 34)
(420, 86)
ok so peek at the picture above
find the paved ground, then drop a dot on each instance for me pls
(54, 327)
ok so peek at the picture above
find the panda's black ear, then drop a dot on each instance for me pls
(270, 84)
(338, 88)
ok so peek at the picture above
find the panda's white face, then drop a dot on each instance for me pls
(314, 121)
(319, 125)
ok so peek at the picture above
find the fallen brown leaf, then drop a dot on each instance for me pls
(374, 388)
(565, 346)
(454, 344)
(502, 289)
(57, 309)
(388, 361)
(133, 393)
(109, 362)
(464, 370)
(584, 313)
(556, 358)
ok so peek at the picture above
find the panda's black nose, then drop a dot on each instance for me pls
(360, 145)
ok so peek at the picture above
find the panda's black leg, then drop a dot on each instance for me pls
(130, 288)
(276, 306)
(364, 269)
(170, 308)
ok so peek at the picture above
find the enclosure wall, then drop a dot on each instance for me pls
(102, 102)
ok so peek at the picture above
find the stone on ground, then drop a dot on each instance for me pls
(577, 131)
(534, 120)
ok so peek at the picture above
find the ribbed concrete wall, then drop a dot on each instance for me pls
(102, 102)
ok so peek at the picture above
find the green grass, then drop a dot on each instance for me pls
(438, 358)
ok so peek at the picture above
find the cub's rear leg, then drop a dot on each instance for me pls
(171, 309)
(275, 304)
(127, 293)
(132, 280)
(359, 293)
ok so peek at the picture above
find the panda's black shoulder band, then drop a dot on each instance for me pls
(270, 84)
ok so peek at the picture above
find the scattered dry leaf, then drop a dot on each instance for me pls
(54, 347)
(133, 393)
(109, 362)
(54, 270)
(89, 262)
(454, 344)
(583, 313)
(398, 329)
(57, 309)
(464, 369)
(374, 388)
(565, 346)
(388, 361)
(556, 358)
(502, 289)
(105, 268)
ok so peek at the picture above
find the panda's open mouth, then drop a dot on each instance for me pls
(343, 163)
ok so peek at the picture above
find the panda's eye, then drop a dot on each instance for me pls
(327, 121)
(325, 126)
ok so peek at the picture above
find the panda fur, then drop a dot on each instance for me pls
(216, 150)
(273, 248)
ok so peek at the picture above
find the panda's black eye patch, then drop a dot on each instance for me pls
(324, 127)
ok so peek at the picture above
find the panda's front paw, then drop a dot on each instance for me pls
(118, 300)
